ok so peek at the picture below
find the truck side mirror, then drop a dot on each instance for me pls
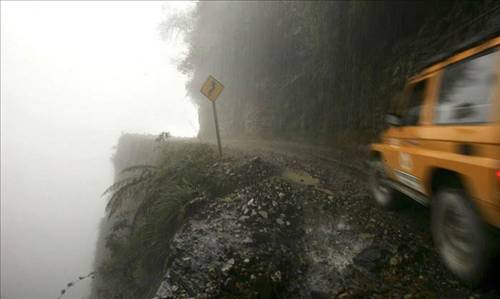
(393, 120)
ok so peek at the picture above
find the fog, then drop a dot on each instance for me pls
(74, 76)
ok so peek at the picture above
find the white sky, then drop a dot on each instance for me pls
(74, 75)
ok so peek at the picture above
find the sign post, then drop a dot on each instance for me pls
(212, 89)
(217, 129)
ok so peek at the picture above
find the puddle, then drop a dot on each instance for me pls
(300, 177)
(303, 178)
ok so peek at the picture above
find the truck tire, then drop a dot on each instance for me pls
(460, 235)
(383, 193)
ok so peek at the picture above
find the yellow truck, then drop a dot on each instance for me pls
(442, 148)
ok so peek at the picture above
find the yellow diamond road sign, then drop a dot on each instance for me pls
(212, 88)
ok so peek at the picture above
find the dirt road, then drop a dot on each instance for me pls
(307, 228)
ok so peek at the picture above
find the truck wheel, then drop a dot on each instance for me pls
(383, 193)
(460, 235)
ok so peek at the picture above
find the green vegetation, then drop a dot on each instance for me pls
(148, 204)
(147, 208)
(315, 71)
(71, 284)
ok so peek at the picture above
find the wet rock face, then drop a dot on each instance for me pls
(277, 237)
(236, 248)
(259, 242)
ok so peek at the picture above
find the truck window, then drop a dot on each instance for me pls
(414, 105)
(466, 91)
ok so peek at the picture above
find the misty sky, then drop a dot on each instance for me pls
(74, 75)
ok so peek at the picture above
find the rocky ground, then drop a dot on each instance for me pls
(299, 226)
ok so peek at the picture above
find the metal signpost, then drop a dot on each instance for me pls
(212, 89)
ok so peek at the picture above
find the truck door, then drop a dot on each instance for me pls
(408, 169)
